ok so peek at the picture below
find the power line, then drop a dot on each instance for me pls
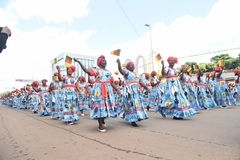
(200, 54)
(128, 18)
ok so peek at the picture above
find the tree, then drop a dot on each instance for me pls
(224, 57)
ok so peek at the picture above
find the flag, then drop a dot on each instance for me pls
(55, 61)
(116, 52)
(195, 67)
(158, 57)
(68, 61)
(189, 68)
(221, 63)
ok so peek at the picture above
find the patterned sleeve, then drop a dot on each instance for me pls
(93, 71)
(126, 73)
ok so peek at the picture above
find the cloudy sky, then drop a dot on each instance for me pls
(43, 29)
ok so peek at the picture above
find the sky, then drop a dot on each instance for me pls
(43, 29)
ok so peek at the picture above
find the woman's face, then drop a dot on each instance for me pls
(80, 80)
(171, 63)
(131, 67)
(69, 71)
(44, 83)
(103, 63)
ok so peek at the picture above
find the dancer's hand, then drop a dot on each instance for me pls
(75, 59)
(118, 61)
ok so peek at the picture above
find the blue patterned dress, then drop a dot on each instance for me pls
(190, 91)
(236, 94)
(83, 96)
(205, 97)
(15, 101)
(44, 101)
(133, 109)
(102, 102)
(155, 94)
(174, 102)
(57, 109)
(145, 95)
(210, 84)
(35, 101)
(22, 101)
(223, 95)
(69, 100)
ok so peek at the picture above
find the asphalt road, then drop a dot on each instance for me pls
(208, 135)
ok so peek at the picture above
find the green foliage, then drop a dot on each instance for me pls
(224, 57)
(230, 63)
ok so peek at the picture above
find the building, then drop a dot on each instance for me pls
(88, 62)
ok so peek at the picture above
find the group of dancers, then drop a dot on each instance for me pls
(172, 94)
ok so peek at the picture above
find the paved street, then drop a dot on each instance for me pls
(209, 135)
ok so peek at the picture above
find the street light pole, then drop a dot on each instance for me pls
(147, 25)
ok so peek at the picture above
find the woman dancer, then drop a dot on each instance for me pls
(223, 95)
(145, 95)
(133, 109)
(205, 97)
(35, 97)
(102, 97)
(189, 88)
(174, 102)
(44, 99)
(82, 94)
(55, 90)
(69, 97)
(155, 93)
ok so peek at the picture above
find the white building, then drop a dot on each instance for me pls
(88, 62)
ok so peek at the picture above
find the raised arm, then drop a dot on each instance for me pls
(120, 67)
(59, 73)
(82, 66)
(163, 74)
(220, 72)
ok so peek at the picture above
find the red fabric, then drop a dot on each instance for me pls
(171, 58)
(216, 69)
(146, 75)
(34, 83)
(128, 64)
(235, 71)
(55, 74)
(82, 78)
(45, 80)
(207, 74)
(104, 90)
(153, 73)
(73, 68)
(99, 60)
(91, 71)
